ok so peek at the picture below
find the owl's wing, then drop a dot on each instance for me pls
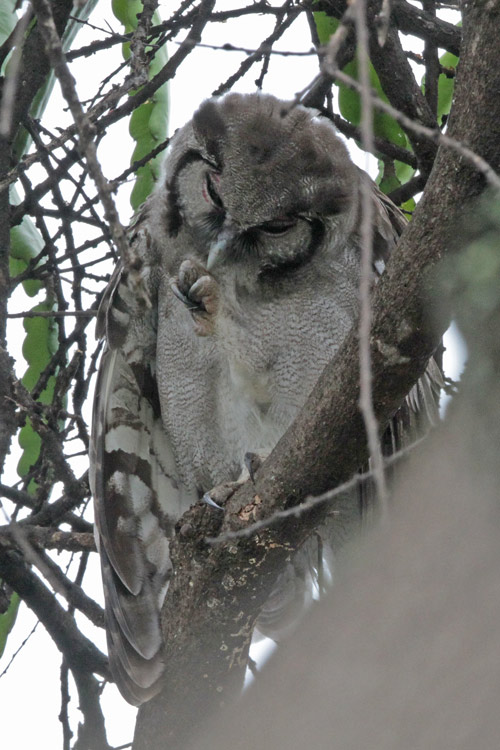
(311, 567)
(135, 488)
(420, 410)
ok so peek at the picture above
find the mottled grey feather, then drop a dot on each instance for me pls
(249, 250)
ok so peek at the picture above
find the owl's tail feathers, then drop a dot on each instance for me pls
(423, 399)
(290, 597)
(134, 638)
(297, 586)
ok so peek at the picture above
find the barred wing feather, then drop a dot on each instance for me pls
(135, 490)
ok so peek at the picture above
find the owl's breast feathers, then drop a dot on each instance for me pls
(265, 194)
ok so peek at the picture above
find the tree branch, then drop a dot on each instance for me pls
(215, 594)
(400, 87)
(412, 20)
(409, 20)
(78, 651)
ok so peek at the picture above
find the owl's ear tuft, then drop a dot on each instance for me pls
(209, 127)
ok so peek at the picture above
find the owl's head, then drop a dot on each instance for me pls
(259, 182)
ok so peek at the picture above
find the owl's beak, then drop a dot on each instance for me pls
(217, 248)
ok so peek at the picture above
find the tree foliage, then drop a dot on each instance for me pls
(435, 132)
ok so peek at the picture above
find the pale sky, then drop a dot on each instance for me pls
(29, 692)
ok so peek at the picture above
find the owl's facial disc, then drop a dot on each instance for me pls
(231, 232)
(261, 234)
(210, 190)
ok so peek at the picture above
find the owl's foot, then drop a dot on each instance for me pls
(219, 495)
(199, 291)
(254, 461)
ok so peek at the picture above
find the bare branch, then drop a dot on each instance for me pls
(473, 157)
(78, 651)
(85, 130)
(365, 315)
(73, 541)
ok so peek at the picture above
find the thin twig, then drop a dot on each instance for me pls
(86, 133)
(71, 642)
(477, 161)
(365, 314)
(54, 314)
(19, 649)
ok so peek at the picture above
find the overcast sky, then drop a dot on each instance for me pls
(31, 686)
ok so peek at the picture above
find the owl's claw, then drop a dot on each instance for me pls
(253, 461)
(198, 290)
(189, 304)
(208, 500)
(219, 495)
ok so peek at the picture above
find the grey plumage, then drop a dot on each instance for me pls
(250, 256)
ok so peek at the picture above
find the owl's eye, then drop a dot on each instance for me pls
(278, 226)
(211, 190)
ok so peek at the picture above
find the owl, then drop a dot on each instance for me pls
(249, 251)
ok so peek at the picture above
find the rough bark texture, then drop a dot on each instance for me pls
(7, 406)
(426, 675)
(207, 631)
(31, 75)
(35, 65)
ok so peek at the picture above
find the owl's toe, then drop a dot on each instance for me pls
(219, 495)
(198, 290)
(253, 461)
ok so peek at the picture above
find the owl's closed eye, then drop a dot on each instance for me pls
(251, 255)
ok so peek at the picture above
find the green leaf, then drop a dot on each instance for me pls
(30, 443)
(149, 122)
(446, 86)
(40, 344)
(384, 126)
(8, 619)
(126, 12)
(403, 171)
(158, 122)
(139, 121)
(387, 179)
(326, 26)
(8, 19)
(408, 207)
(25, 244)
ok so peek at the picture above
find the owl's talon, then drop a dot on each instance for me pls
(198, 290)
(253, 462)
(189, 303)
(220, 494)
(208, 500)
(203, 292)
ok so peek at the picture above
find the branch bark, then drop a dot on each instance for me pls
(78, 651)
(216, 592)
(409, 20)
(35, 65)
(400, 87)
